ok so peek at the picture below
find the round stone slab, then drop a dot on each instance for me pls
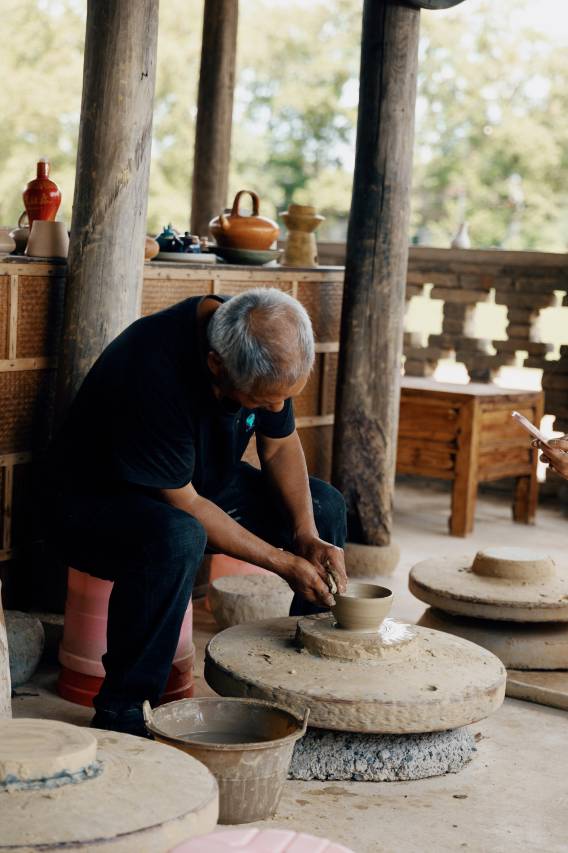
(518, 646)
(344, 756)
(236, 599)
(321, 636)
(43, 749)
(148, 796)
(445, 684)
(449, 584)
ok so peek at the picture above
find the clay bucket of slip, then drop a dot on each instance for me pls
(246, 743)
(363, 607)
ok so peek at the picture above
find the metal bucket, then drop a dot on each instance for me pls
(247, 744)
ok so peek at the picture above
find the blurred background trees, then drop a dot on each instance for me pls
(491, 124)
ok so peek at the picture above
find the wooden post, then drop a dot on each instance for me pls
(214, 113)
(375, 271)
(106, 253)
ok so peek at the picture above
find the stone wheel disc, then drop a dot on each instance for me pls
(448, 584)
(531, 646)
(147, 797)
(445, 683)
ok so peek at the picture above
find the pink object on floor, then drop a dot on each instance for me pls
(84, 643)
(222, 566)
(254, 840)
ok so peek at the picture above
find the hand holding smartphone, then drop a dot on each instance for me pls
(530, 428)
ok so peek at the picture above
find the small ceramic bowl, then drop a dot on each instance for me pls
(363, 607)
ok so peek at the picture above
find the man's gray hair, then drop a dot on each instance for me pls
(264, 338)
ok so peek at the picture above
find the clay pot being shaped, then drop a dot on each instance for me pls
(48, 240)
(7, 242)
(42, 196)
(363, 607)
(21, 234)
(235, 231)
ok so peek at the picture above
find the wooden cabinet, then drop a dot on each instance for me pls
(465, 433)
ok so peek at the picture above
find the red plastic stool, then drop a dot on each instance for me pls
(84, 644)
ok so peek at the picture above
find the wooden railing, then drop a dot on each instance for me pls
(524, 283)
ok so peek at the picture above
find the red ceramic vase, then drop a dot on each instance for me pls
(42, 196)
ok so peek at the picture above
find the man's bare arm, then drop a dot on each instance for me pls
(284, 463)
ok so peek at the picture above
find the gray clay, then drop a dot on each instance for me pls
(343, 756)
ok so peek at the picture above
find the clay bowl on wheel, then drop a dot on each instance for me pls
(363, 607)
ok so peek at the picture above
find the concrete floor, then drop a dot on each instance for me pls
(512, 797)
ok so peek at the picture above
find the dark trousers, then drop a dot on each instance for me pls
(152, 552)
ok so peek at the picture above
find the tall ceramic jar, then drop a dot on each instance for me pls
(42, 196)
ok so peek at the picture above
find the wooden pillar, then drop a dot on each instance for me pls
(106, 252)
(214, 113)
(366, 419)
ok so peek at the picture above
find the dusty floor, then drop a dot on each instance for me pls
(512, 797)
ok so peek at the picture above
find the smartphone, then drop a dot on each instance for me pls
(526, 424)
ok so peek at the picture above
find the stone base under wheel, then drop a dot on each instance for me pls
(344, 756)
(528, 646)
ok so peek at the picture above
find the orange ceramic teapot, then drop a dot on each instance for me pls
(234, 231)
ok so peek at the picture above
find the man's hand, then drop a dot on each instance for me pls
(555, 454)
(324, 557)
(307, 580)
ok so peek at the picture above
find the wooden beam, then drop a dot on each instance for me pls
(375, 272)
(106, 253)
(214, 113)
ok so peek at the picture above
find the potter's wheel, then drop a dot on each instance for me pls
(122, 793)
(502, 583)
(403, 680)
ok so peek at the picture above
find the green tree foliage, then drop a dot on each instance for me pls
(491, 129)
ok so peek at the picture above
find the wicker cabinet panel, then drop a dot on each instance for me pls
(322, 301)
(4, 314)
(25, 399)
(40, 314)
(161, 293)
(317, 444)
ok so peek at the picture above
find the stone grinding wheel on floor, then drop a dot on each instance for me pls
(510, 584)
(62, 786)
(511, 601)
(402, 680)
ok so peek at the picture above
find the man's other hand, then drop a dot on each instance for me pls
(555, 454)
(307, 580)
(324, 557)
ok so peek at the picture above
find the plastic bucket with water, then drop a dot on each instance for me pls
(246, 743)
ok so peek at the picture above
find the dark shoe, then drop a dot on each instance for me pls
(130, 722)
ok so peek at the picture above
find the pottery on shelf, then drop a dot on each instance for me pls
(461, 238)
(42, 196)
(235, 231)
(169, 240)
(48, 240)
(253, 257)
(7, 242)
(301, 249)
(151, 248)
(21, 234)
(363, 607)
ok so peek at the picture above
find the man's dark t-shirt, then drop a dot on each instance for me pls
(146, 415)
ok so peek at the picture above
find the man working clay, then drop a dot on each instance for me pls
(146, 472)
